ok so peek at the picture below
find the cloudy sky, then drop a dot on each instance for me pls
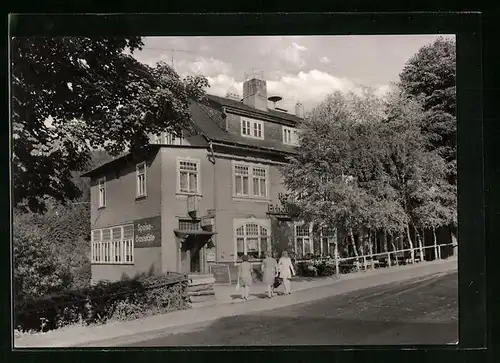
(297, 68)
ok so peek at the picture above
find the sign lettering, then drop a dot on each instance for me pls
(148, 232)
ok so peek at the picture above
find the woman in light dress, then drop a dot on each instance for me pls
(269, 272)
(245, 276)
(286, 271)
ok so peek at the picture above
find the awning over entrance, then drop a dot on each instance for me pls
(194, 239)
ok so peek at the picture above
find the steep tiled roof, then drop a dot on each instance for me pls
(210, 122)
(240, 105)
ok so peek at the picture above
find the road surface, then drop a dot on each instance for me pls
(418, 311)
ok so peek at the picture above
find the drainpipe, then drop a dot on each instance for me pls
(214, 228)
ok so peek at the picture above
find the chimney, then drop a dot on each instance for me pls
(299, 110)
(255, 94)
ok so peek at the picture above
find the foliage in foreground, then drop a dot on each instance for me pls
(71, 95)
(120, 300)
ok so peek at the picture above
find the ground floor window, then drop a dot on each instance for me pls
(113, 245)
(328, 239)
(252, 239)
(303, 241)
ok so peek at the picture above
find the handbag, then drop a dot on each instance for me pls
(277, 281)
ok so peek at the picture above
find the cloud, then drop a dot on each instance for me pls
(310, 87)
(207, 66)
(293, 55)
(324, 60)
(382, 91)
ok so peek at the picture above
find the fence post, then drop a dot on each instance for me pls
(389, 259)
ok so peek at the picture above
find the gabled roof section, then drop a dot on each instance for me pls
(211, 123)
(277, 115)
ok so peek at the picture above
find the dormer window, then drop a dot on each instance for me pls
(252, 128)
(290, 136)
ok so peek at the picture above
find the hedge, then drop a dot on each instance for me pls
(315, 267)
(121, 300)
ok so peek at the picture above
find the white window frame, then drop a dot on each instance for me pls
(255, 128)
(252, 167)
(138, 174)
(117, 249)
(290, 135)
(309, 238)
(330, 239)
(261, 224)
(198, 176)
(102, 192)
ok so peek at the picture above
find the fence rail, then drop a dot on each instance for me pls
(390, 257)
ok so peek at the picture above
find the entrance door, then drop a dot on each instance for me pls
(195, 265)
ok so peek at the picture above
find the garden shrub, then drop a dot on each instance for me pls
(120, 300)
(315, 267)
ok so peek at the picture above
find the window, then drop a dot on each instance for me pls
(290, 136)
(245, 127)
(113, 245)
(328, 238)
(241, 180)
(102, 192)
(252, 128)
(252, 240)
(303, 242)
(250, 180)
(188, 225)
(259, 182)
(189, 176)
(141, 179)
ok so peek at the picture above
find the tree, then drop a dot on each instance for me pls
(431, 75)
(75, 94)
(339, 173)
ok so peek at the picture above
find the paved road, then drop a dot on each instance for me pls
(418, 311)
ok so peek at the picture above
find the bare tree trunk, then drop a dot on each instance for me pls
(437, 251)
(370, 247)
(423, 239)
(336, 254)
(362, 246)
(412, 252)
(385, 241)
(351, 235)
(386, 248)
(419, 242)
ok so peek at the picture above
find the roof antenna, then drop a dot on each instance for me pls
(274, 99)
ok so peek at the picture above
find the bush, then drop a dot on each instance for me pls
(120, 300)
(37, 271)
(315, 267)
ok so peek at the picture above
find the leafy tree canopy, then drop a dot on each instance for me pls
(75, 94)
(431, 75)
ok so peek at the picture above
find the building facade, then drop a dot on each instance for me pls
(208, 197)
